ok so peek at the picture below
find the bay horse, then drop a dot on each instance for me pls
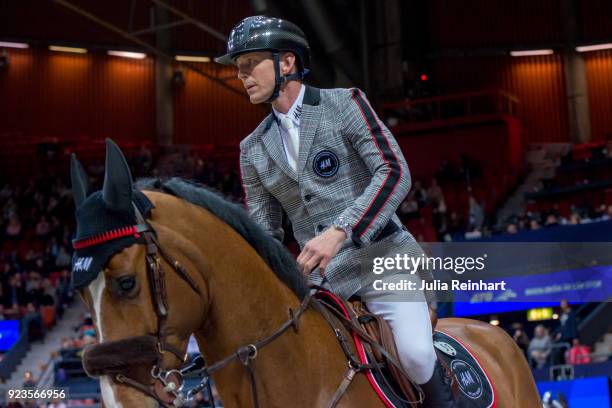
(228, 283)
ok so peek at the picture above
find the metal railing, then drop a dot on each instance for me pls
(551, 354)
(566, 371)
(47, 377)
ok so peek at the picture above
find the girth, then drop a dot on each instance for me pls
(337, 321)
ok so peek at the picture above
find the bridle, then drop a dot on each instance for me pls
(172, 380)
(167, 385)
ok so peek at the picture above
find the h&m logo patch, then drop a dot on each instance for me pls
(469, 380)
(325, 163)
(82, 264)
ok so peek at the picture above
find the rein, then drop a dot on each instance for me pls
(246, 354)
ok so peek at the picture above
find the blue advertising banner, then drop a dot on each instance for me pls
(9, 334)
(592, 284)
(580, 393)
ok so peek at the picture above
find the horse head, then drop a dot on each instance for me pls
(144, 301)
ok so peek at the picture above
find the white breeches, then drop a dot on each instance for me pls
(411, 327)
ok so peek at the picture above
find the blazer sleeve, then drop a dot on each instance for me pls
(262, 206)
(390, 181)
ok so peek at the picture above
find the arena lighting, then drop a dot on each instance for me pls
(541, 313)
(595, 47)
(191, 58)
(13, 44)
(494, 322)
(60, 48)
(531, 53)
(127, 54)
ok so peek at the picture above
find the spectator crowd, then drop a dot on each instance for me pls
(553, 346)
(35, 253)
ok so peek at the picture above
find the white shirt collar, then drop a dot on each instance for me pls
(296, 109)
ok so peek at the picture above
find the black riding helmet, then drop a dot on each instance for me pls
(261, 33)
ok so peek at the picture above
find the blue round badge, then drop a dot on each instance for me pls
(325, 163)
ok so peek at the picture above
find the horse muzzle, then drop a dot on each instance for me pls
(114, 357)
(121, 358)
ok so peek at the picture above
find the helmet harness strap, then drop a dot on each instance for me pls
(280, 79)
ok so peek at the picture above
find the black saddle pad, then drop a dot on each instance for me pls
(476, 388)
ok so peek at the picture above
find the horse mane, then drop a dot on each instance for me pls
(272, 251)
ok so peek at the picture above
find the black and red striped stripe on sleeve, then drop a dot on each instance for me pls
(394, 175)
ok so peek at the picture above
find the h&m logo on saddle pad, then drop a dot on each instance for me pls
(469, 380)
(476, 389)
(325, 163)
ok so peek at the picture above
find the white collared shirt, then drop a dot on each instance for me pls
(293, 114)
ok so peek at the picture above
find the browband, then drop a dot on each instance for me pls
(133, 230)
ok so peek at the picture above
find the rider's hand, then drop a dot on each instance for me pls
(320, 250)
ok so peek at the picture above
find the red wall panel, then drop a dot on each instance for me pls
(599, 77)
(538, 82)
(77, 95)
(205, 112)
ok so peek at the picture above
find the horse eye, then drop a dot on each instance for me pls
(126, 284)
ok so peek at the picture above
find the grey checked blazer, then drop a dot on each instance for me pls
(349, 164)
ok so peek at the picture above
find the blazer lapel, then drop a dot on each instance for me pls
(274, 145)
(309, 122)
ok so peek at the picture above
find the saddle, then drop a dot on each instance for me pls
(379, 331)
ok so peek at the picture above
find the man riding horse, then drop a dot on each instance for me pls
(323, 157)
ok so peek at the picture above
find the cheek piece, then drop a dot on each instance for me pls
(279, 80)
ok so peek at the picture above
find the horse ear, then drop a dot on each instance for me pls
(80, 181)
(117, 190)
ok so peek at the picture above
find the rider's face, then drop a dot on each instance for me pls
(256, 71)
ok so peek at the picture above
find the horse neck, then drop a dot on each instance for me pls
(247, 301)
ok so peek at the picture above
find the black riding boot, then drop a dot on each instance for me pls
(438, 392)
